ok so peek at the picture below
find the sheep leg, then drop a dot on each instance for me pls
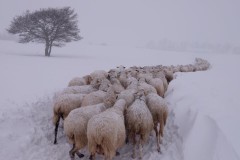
(80, 155)
(117, 153)
(92, 150)
(140, 148)
(72, 152)
(107, 153)
(157, 137)
(75, 150)
(92, 156)
(161, 125)
(127, 138)
(56, 130)
(134, 145)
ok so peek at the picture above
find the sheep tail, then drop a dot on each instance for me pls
(56, 120)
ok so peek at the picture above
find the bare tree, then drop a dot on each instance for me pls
(51, 26)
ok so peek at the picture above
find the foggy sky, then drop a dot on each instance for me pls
(139, 21)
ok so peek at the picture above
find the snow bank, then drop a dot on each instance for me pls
(206, 110)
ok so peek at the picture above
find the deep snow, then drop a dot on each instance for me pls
(204, 105)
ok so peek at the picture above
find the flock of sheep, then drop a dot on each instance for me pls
(105, 110)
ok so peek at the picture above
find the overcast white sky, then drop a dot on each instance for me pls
(138, 21)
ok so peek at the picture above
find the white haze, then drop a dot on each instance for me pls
(139, 22)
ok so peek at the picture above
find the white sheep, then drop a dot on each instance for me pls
(93, 98)
(132, 83)
(159, 111)
(75, 125)
(123, 78)
(157, 83)
(168, 74)
(128, 95)
(106, 131)
(117, 86)
(139, 121)
(147, 88)
(132, 72)
(201, 64)
(161, 75)
(63, 104)
(86, 89)
(99, 74)
(98, 96)
(104, 85)
(115, 72)
(79, 81)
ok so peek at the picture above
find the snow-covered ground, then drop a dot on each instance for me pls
(205, 106)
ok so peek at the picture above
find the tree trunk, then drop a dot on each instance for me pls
(47, 50)
(50, 49)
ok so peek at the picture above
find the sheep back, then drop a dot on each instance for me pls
(107, 129)
(93, 98)
(63, 104)
(75, 125)
(139, 119)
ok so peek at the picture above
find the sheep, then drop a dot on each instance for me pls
(157, 83)
(132, 72)
(116, 85)
(80, 81)
(184, 68)
(145, 75)
(86, 89)
(139, 121)
(104, 85)
(161, 75)
(121, 68)
(123, 78)
(100, 74)
(159, 111)
(93, 98)
(63, 104)
(132, 83)
(97, 96)
(147, 88)
(75, 125)
(106, 131)
(201, 64)
(100, 83)
(127, 95)
(168, 74)
(115, 72)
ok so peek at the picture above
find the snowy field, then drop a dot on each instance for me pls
(204, 106)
